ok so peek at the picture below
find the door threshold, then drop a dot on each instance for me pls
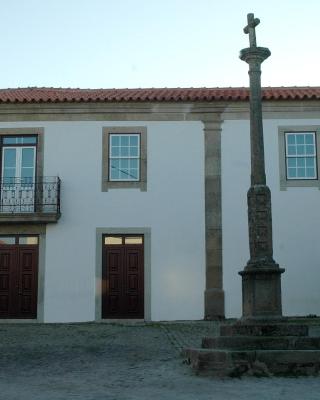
(122, 321)
(18, 321)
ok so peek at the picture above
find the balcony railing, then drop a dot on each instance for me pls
(27, 200)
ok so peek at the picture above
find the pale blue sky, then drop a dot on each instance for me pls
(149, 43)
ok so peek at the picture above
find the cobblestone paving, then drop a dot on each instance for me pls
(122, 362)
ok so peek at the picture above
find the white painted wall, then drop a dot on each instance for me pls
(173, 207)
(296, 221)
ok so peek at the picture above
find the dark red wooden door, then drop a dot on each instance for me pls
(18, 281)
(122, 281)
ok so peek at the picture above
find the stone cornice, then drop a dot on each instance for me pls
(155, 111)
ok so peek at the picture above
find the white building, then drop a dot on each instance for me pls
(132, 203)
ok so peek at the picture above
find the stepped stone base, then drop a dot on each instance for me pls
(283, 348)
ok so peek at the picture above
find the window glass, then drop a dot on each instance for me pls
(124, 156)
(309, 138)
(112, 240)
(300, 139)
(115, 140)
(124, 140)
(28, 157)
(9, 158)
(134, 151)
(28, 240)
(301, 155)
(133, 240)
(133, 140)
(7, 240)
(124, 151)
(9, 165)
(20, 140)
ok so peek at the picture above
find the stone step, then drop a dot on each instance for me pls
(257, 363)
(265, 329)
(262, 343)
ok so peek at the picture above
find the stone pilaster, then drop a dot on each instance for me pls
(214, 294)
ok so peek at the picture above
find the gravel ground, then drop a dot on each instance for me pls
(122, 362)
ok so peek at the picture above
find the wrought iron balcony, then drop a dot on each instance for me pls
(24, 200)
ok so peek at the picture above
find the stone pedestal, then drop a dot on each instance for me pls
(261, 292)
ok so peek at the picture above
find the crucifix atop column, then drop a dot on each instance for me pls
(261, 285)
(251, 29)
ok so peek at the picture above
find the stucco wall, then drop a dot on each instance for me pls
(296, 221)
(172, 206)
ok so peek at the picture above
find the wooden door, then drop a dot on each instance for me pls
(18, 281)
(123, 280)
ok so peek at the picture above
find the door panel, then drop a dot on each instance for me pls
(8, 259)
(27, 277)
(134, 280)
(18, 281)
(122, 281)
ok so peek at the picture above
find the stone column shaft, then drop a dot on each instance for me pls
(258, 176)
(214, 294)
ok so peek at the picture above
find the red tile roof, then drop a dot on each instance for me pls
(58, 95)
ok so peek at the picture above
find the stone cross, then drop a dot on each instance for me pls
(261, 284)
(250, 28)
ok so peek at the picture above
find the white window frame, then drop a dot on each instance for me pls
(285, 181)
(18, 166)
(106, 183)
(120, 157)
(301, 156)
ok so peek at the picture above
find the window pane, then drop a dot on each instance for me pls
(114, 169)
(10, 140)
(124, 152)
(301, 173)
(28, 240)
(124, 163)
(134, 163)
(134, 173)
(292, 173)
(9, 158)
(124, 175)
(301, 162)
(134, 140)
(133, 240)
(9, 173)
(114, 174)
(124, 140)
(27, 174)
(310, 149)
(20, 140)
(134, 151)
(7, 240)
(309, 138)
(112, 240)
(28, 157)
(292, 162)
(300, 139)
(300, 149)
(292, 150)
(29, 140)
(115, 140)
(291, 139)
(311, 173)
(115, 151)
(310, 161)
